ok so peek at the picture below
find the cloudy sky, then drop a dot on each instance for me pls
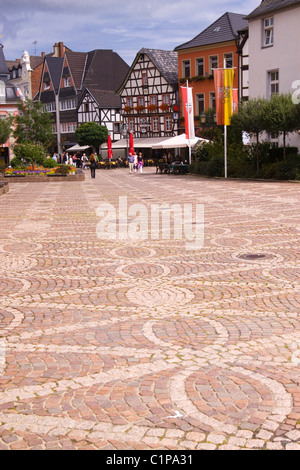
(124, 26)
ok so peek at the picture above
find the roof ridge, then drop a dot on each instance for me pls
(228, 16)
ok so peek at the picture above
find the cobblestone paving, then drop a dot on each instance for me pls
(147, 345)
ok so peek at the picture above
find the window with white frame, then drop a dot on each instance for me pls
(213, 63)
(153, 100)
(200, 105)
(273, 83)
(268, 32)
(228, 59)
(131, 127)
(67, 82)
(141, 101)
(155, 124)
(166, 99)
(50, 107)
(200, 66)
(67, 104)
(129, 101)
(168, 124)
(144, 79)
(186, 69)
(68, 127)
(212, 100)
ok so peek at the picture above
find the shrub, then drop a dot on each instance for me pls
(49, 163)
(17, 163)
(32, 153)
(242, 161)
(64, 169)
(276, 153)
(215, 167)
(289, 169)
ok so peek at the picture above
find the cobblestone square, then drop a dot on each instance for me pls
(127, 345)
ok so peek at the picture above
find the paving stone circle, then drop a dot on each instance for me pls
(126, 345)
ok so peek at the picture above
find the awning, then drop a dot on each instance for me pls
(138, 143)
(78, 148)
(179, 141)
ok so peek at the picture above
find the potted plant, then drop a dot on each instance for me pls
(164, 107)
(152, 107)
(139, 108)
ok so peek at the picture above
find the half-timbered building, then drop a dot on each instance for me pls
(149, 95)
(80, 87)
(98, 101)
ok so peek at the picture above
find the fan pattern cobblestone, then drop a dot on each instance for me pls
(147, 345)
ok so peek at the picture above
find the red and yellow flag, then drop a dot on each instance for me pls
(223, 80)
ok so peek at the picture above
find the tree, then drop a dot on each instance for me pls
(251, 118)
(30, 152)
(282, 117)
(91, 134)
(33, 124)
(5, 129)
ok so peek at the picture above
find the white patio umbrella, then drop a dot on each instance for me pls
(179, 141)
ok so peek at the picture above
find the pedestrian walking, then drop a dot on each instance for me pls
(130, 160)
(135, 161)
(140, 163)
(84, 161)
(93, 166)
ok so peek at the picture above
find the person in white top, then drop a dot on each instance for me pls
(84, 160)
(135, 161)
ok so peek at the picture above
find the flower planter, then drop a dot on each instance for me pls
(57, 174)
(14, 176)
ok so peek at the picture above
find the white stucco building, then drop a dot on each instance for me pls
(274, 58)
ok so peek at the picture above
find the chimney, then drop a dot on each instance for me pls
(61, 49)
(55, 51)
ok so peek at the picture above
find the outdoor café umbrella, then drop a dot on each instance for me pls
(109, 149)
(131, 147)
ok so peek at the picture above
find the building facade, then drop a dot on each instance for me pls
(98, 101)
(215, 47)
(9, 100)
(80, 87)
(149, 95)
(274, 38)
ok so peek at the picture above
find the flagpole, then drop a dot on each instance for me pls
(189, 126)
(225, 141)
(225, 150)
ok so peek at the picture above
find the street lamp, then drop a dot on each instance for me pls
(124, 132)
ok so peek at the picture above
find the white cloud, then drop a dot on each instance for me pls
(94, 24)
